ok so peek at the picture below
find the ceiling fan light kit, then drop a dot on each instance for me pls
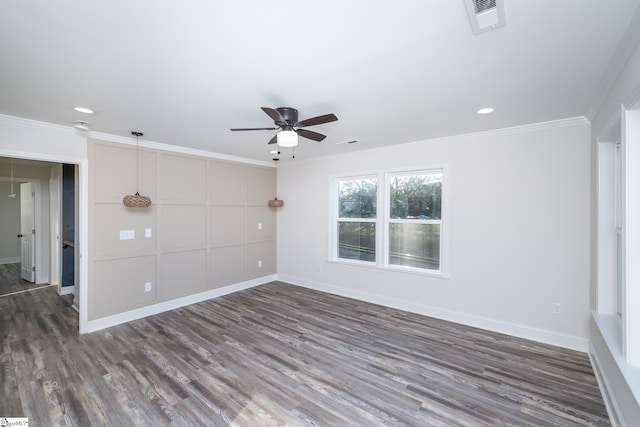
(136, 200)
(287, 138)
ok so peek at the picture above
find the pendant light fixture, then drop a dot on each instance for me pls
(275, 203)
(136, 200)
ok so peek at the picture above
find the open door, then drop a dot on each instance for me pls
(27, 231)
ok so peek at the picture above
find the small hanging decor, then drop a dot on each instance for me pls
(275, 203)
(136, 200)
(12, 195)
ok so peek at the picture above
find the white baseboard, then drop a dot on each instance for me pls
(10, 260)
(117, 319)
(543, 336)
(64, 290)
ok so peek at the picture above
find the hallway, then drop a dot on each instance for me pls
(11, 282)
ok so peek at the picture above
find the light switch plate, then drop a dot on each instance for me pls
(147, 232)
(127, 234)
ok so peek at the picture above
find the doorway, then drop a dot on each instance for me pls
(28, 235)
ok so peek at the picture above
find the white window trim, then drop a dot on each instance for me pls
(382, 222)
(631, 235)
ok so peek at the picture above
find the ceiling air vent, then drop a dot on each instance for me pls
(485, 15)
(483, 5)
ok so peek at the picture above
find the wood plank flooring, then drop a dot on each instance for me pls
(10, 280)
(280, 355)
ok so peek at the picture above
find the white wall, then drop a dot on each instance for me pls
(41, 141)
(519, 218)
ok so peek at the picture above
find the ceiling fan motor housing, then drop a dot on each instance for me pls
(290, 115)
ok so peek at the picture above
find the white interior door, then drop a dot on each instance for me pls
(27, 231)
(56, 219)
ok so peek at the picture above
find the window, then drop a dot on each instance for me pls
(618, 253)
(397, 225)
(357, 206)
(618, 287)
(414, 219)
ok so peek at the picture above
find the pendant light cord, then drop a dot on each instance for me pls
(11, 178)
(137, 134)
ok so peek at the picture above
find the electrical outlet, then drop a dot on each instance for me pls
(147, 232)
(147, 286)
(259, 226)
(556, 308)
(260, 264)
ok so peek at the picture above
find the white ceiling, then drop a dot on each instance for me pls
(184, 72)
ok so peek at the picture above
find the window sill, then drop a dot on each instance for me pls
(397, 270)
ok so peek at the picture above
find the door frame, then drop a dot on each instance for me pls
(82, 242)
(55, 245)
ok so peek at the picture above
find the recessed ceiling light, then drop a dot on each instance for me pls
(83, 110)
(485, 110)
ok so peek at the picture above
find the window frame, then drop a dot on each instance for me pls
(336, 219)
(387, 221)
(383, 221)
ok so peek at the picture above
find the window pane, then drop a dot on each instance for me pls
(416, 196)
(415, 245)
(357, 198)
(618, 289)
(357, 240)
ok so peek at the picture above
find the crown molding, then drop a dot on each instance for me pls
(70, 130)
(513, 130)
(35, 124)
(176, 149)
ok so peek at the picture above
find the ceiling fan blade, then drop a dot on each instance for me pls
(274, 114)
(237, 129)
(317, 120)
(274, 139)
(311, 134)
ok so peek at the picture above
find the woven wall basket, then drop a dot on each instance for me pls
(136, 201)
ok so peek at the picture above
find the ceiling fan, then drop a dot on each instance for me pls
(286, 119)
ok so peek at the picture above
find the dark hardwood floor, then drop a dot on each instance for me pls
(280, 355)
(11, 282)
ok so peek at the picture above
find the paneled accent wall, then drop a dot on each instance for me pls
(209, 226)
